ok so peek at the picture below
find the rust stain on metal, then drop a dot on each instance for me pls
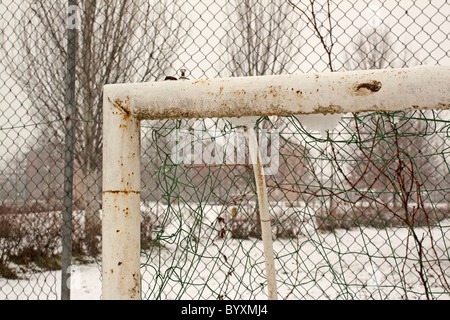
(366, 88)
(271, 91)
(444, 106)
(328, 109)
(121, 192)
(202, 81)
(134, 291)
(260, 177)
(170, 113)
(122, 106)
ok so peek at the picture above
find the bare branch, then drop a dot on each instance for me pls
(313, 21)
(261, 39)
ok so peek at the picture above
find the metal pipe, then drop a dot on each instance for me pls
(423, 87)
(69, 102)
(121, 202)
(263, 204)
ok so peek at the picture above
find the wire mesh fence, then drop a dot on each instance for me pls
(354, 213)
(359, 202)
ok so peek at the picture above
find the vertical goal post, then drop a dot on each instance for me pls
(125, 105)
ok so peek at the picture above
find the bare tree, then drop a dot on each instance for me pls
(118, 41)
(261, 38)
(377, 48)
(373, 49)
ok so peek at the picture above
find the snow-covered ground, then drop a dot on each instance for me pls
(362, 263)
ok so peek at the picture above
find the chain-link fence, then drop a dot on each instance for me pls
(360, 209)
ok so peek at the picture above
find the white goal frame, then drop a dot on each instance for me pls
(125, 105)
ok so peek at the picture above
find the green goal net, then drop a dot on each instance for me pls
(359, 207)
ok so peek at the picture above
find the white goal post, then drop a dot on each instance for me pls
(125, 105)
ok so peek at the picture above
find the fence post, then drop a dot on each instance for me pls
(66, 255)
(121, 202)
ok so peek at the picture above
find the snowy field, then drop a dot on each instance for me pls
(347, 264)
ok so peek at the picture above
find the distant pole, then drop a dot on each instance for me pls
(69, 101)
